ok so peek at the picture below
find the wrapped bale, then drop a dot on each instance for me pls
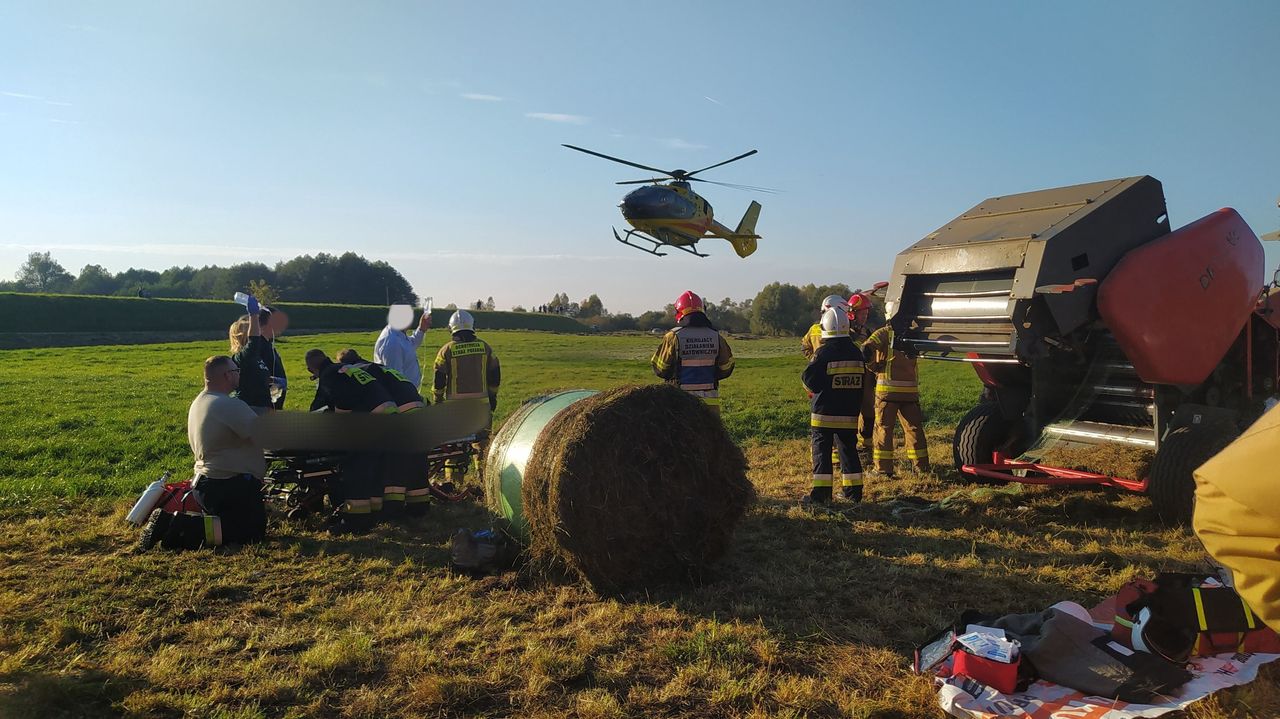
(634, 487)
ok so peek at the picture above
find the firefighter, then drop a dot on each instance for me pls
(897, 398)
(466, 368)
(835, 379)
(809, 343)
(404, 486)
(813, 338)
(859, 315)
(693, 356)
(346, 388)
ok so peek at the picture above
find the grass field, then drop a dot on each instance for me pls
(809, 615)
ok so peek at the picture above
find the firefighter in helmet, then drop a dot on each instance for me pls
(897, 399)
(813, 339)
(693, 356)
(466, 368)
(834, 379)
(860, 331)
(809, 343)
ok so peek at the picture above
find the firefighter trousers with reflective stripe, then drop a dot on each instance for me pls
(405, 477)
(867, 417)
(908, 413)
(361, 482)
(823, 440)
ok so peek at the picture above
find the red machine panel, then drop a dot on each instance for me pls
(1176, 304)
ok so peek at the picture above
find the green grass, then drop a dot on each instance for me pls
(106, 421)
(808, 614)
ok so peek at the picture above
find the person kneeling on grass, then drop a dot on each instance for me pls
(228, 471)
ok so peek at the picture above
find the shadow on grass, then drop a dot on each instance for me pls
(860, 574)
(70, 695)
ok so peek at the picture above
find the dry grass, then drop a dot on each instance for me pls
(1112, 459)
(808, 615)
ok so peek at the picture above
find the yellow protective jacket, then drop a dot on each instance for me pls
(896, 373)
(813, 339)
(466, 368)
(694, 357)
(1237, 514)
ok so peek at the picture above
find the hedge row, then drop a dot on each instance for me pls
(21, 312)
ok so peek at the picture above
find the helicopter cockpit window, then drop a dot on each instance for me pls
(706, 206)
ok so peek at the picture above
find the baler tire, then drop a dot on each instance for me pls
(977, 436)
(1172, 486)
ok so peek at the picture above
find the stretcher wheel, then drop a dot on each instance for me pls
(1172, 486)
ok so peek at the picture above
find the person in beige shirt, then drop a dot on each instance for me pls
(219, 427)
(228, 470)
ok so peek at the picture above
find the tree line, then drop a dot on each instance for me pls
(345, 279)
(777, 309)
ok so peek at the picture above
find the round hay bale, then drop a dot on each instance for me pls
(633, 487)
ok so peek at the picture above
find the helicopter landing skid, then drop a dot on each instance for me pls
(626, 237)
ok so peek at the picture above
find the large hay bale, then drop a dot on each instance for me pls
(634, 487)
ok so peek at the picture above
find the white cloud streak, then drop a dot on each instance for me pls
(676, 143)
(712, 99)
(57, 103)
(20, 95)
(481, 97)
(64, 122)
(559, 117)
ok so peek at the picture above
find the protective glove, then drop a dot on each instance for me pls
(252, 305)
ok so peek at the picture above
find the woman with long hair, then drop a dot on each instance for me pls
(251, 352)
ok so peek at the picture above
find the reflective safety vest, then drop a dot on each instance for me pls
(694, 359)
(896, 373)
(466, 368)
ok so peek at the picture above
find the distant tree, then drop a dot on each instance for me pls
(653, 319)
(451, 306)
(94, 280)
(591, 307)
(730, 316)
(42, 273)
(131, 281)
(780, 309)
(518, 308)
(265, 293)
(612, 323)
(489, 304)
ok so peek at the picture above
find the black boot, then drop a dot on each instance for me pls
(154, 530)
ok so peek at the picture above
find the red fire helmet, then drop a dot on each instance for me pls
(688, 302)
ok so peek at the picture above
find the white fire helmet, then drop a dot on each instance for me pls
(461, 320)
(835, 301)
(835, 322)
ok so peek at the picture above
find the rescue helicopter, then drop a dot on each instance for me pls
(668, 213)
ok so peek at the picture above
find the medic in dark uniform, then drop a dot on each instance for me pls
(345, 388)
(404, 474)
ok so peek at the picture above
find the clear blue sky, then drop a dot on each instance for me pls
(150, 134)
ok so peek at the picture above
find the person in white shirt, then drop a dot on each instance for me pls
(397, 350)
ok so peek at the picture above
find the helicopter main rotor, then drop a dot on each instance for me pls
(677, 175)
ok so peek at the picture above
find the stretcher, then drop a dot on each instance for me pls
(298, 483)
